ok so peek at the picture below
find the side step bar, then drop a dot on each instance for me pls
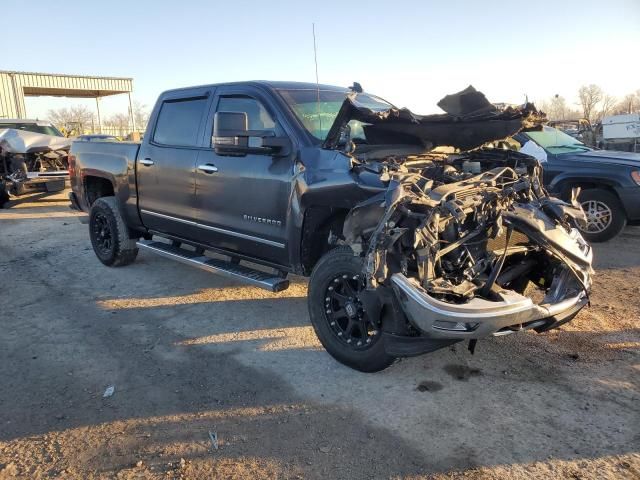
(268, 281)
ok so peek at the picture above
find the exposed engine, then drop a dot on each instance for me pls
(470, 226)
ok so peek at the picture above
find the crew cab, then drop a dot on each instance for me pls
(408, 249)
(609, 180)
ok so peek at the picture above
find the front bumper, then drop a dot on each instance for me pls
(479, 318)
(630, 198)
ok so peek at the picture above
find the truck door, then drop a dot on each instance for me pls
(242, 201)
(166, 164)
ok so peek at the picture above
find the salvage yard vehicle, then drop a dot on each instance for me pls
(33, 157)
(408, 249)
(609, 180)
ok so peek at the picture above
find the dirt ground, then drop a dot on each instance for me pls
(193, 356)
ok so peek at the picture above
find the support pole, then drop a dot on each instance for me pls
(133, 120)
(99, 121)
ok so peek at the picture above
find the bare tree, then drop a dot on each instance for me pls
(590, 96)
(607, 105)
(556, 108)
(140, 115)
(629, 104)
(75, 114)
(118, 124)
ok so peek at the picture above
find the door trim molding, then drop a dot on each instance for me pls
(215, 229)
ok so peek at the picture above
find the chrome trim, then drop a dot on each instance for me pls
(215, 229)
(146, 162)
(208, 168)
(424, 311)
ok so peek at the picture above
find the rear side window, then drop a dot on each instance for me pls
(179, 121)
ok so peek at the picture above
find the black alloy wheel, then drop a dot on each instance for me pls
(338, 315)
(102, 234)
(346, 314)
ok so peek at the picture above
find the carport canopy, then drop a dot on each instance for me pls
(14, 86)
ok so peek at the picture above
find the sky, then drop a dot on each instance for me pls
(411, 53)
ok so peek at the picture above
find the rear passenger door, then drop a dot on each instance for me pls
(166, 163)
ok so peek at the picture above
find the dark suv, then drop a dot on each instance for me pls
(609, 180)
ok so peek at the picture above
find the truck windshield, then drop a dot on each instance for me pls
(556, 141)
(33, 127)
(317, 116)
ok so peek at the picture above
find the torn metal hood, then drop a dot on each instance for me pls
(22, 141)
(469, 122)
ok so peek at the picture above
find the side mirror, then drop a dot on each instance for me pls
(231, 136)
(230, 133)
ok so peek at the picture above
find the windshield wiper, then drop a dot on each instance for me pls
(571, 145)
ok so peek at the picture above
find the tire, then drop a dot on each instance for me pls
(4, 194)
(109, 235)
(360, 346)
(605, 216)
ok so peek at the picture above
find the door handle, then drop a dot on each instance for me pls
(208, 168)
(147, 162)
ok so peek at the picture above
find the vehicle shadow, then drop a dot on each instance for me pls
(190, 353)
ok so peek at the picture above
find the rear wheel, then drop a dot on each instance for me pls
(605, 216)
(109, 235)
(338, 316)
(4, 194)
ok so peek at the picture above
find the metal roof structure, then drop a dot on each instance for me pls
(14, 86)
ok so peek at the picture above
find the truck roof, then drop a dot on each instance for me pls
(275, 85)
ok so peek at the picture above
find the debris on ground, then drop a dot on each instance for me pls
(214, 439)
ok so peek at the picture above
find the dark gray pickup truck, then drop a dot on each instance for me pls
(409, 248)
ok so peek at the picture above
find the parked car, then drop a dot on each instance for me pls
(609, 180)
(408, 250)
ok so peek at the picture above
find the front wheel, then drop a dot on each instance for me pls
(605, 216)
(338, 316)
(109, 234)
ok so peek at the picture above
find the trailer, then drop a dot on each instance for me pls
(621, 132)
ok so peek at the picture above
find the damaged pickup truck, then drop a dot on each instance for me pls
(33, 157)
(410, 247)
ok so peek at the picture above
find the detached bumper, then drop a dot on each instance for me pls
(479, 318)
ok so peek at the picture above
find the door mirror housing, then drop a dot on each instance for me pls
(231, 136)
(230, 133)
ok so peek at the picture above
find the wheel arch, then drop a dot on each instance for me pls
(98, 186)
(564, 187)
(319, 224)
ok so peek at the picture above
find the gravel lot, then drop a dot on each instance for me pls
(190, 354)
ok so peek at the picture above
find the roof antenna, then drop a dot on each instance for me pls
(315, 59)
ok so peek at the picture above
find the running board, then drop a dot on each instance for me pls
(268, 281)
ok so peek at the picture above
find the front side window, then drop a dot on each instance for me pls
(179, 121)
(257, 116)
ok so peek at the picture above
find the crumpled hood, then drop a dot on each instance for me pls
(469, 122)
(628, 159)
(21, 141)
